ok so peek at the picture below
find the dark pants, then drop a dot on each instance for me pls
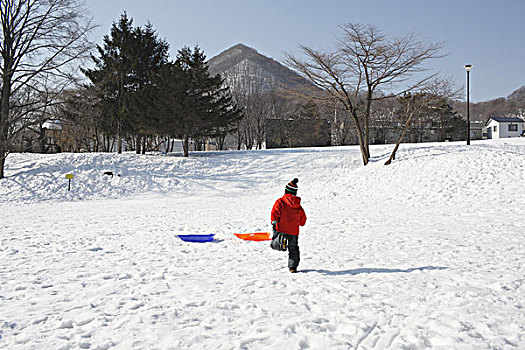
(293, 251)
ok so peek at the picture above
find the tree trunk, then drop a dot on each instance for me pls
(361, 139)
(220, 142)
(393, 154)
(137, 144)
(97, 140)
(239, 140)
(4, 117)
(119, 138)
(362, 145)
(405, 129)
(367, 124)
(41, 139)
(112, 145)
(185, 145)
(2, 164)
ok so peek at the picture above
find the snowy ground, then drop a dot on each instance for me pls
(425, 253)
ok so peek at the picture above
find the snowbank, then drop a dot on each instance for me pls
(426, 252)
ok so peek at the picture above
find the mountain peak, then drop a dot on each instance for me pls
(246, 70)
(241, 47)
(230, 57)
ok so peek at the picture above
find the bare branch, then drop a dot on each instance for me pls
(39, 43)
(364, 61)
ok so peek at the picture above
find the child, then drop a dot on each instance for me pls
(287, 216)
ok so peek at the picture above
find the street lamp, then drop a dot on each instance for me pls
(468, 67)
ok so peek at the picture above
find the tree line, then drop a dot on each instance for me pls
(40, 44)
(143, 96)
(137, 97)
(512, 105)
(134, 95)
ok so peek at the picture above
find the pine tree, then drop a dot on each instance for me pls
(149, 55)
(205, 107)
(126, 76)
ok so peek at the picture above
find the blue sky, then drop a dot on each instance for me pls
(490, 35)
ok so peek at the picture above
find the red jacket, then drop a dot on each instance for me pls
(289, 214)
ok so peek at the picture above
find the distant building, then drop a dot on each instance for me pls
(504, 127)
(476, 130)
(283, 133)
(52, 130)
(388, 133)
(38, 139)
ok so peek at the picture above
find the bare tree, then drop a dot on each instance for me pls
(282, 110)
(82, 120)
(341, 123)
(382, 120)
(363, 62)
(41, 39)
(256, 109)
(422, 104)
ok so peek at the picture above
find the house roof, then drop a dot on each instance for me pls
(507, 119)
(52, 125)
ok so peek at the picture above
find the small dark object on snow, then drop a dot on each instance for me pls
(110, 173)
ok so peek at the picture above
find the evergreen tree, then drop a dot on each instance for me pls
(172, 110)
(450, 125)
(112, 77)
(149, 55)
(126, 76)
(206, 108)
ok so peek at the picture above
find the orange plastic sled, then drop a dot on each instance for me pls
(254, 236)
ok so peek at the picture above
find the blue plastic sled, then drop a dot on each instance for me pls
(197, 238)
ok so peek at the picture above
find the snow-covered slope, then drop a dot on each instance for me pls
(425, 253)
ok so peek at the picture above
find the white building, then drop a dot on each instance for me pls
(504, 127)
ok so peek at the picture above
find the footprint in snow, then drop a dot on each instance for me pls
(136, 306)
(66, 325)
(127, 276)
(85, 322)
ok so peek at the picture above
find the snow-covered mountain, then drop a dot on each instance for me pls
(245, 70)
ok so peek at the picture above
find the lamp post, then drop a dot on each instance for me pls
(468, 67)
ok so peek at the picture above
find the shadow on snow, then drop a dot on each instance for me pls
(373, 270)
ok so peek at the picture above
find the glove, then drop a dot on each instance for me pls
(274, 225)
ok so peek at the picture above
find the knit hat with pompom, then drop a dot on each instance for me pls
(291, 187)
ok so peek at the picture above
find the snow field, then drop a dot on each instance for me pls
(425, 253)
